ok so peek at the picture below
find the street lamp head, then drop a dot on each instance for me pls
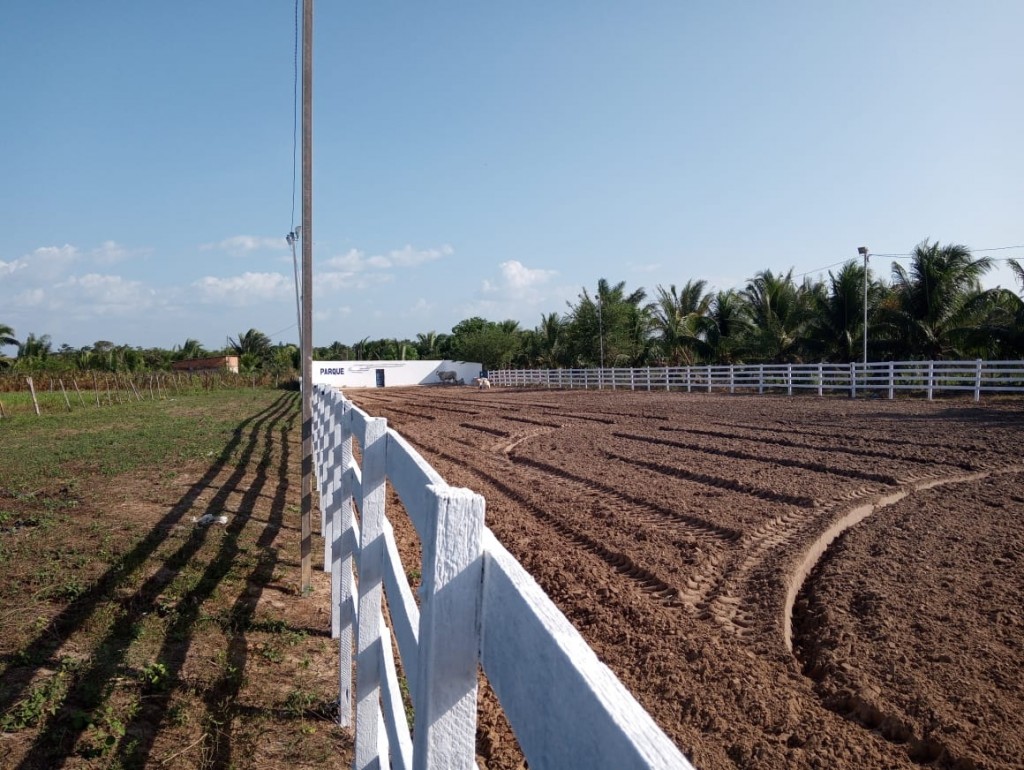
(862, 250)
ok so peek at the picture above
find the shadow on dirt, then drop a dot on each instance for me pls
(91, 684)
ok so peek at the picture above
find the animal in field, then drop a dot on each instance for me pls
(447, 376)
(482, 382)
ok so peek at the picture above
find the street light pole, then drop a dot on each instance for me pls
(863, 251)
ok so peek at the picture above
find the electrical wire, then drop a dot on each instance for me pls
(905, 255)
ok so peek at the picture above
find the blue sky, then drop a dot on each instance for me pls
(484, 158)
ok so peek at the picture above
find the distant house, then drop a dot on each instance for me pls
(212, 364)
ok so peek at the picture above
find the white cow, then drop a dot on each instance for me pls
(482, 382)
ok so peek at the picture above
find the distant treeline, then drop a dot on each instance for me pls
(932, 308)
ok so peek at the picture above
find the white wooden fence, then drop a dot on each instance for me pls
(478, 606)
(886, 377)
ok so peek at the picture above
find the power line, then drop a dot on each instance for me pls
(903, 255)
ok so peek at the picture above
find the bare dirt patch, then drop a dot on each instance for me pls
(669, 527)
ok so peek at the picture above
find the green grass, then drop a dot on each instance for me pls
(117, 439)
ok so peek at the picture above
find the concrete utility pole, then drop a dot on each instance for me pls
(863, 251)
(306, 341)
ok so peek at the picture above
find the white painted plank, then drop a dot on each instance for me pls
(449, 635)
(395, 722)
(410, 475)
(405, 615)
(344, 546)
(567, 708)
(371, 560)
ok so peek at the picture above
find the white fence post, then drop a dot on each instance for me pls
(821, 382)
(892, 380)
(449, 633)
(853, 380)
(732, 379)
(343, 548)
(760, 379)
(709, 378)
(977, 380)
(689, 382)
(369, 662)
(931, 379)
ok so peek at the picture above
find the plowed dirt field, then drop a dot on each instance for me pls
(676, 532)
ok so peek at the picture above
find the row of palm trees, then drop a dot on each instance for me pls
(933, 308)
(35, 353)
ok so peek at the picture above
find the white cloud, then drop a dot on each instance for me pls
(245, 289)
(409, 257)
(519, 277)
(106, 294)
(30, 298)
(240, 245)
(109, 252)
(13, 266)
(355, 260)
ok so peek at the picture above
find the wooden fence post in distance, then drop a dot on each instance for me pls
(32, 389)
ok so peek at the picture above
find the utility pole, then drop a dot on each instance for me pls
(863, 251)
(306, 339)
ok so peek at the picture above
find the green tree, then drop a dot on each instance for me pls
(727, 326)
(681, 322)
(494, 345)
(253, 341)
(6, 338)
(611, 327)
(189, 350)
(936, 302)
(778, 310)
(835, 329)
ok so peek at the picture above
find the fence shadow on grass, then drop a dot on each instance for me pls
(90, 685)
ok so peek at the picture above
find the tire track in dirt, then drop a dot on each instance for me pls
(737, 454)
(700, 528)
(620, 563)
(866, 436)
(717, 482)
(785, 442)
(855, 707)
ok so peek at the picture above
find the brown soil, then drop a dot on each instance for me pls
(673, 530)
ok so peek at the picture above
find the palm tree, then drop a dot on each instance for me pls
(1001, 333)
(835, 330)
(35, 347)
(426, 345)
(778, 312)
(190, 349)
(6, 338)
(681, 319)
(727, 326)
(253, 341)
(937, 301)
(608, 327)
(548, 343)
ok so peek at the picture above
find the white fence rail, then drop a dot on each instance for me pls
(478, 606)
(888, 377)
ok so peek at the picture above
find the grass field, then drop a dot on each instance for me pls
(132, 636)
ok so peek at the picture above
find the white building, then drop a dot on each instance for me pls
(381, 374)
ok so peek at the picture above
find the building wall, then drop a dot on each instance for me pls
(211, 364)
(363, 374)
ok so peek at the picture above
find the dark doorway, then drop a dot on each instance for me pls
(380, 378)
